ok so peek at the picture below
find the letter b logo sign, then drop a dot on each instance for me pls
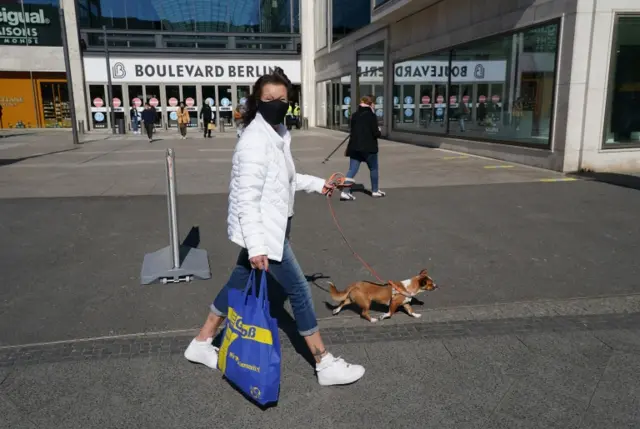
(479, 72)
(119, 71)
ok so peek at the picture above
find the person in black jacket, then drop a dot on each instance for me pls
(206, 114)
(363, 147)
(148, 119)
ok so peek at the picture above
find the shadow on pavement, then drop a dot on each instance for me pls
(10, 161)
(617, 179)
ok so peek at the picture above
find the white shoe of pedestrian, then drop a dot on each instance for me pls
(202, 352)
(334, 371)
(378, 194)
(347, 196)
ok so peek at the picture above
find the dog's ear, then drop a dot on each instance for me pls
(423, 274)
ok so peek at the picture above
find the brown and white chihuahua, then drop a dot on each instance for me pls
(363, 293)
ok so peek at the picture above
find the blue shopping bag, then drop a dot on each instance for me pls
(250, 353)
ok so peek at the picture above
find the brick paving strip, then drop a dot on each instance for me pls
(588, 314)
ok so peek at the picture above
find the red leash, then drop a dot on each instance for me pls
(338, 179)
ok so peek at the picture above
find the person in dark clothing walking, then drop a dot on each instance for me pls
(148, 119)
(206, 114)
(363, 147)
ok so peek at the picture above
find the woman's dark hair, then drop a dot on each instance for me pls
(277, 77)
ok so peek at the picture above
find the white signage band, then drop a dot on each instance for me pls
(180, 71)
(433, 71)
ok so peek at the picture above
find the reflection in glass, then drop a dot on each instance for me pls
(499, 88)
(253, 16)
(623, 113)
(370, 77)
(349, 16)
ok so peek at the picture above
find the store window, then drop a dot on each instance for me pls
(622, 125)
(349, 16)
(41, 28)
(500, 89)
(370, 77)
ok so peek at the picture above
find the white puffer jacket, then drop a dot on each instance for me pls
(262, 189)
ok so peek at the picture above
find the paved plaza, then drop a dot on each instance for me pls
(536, 323)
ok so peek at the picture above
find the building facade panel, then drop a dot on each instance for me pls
(543, 82)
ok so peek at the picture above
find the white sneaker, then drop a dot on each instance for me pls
(347, 196)
(202, 352)
(378, 194)
(335, 371)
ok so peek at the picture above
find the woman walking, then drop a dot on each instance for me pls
(363, 147)
(183, 120)
(261, 199)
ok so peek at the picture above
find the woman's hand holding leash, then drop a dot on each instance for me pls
(336, 181)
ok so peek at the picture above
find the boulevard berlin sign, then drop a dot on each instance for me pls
(133, 70)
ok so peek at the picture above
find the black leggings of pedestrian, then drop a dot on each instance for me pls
(183, 130)
(207, 131)
(149, 129)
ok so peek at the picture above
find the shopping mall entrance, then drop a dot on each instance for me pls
(166, 98)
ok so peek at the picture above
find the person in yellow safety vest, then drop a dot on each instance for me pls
(290, 110)
(296, 110)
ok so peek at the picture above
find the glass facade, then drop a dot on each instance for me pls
(370, 77)
(500, 88)
(349, 16)
(200, 16)
(30, 22)
(622, 126)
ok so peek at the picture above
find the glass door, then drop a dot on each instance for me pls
(98, 109)
(172, 95)
(189, 97)
(55, 105)
(225, 100)
(242, 94)
(345, 96)
(209, 97)
(152, 96)
(426, 105)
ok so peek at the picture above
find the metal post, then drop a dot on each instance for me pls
(67, 65)
(109, 83)
(172, 209)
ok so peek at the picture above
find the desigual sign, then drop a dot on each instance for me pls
(37, 25)
(435, 71)
(143, 70)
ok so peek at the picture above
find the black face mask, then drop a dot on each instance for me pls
(273, 111)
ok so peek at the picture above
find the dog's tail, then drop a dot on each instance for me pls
(336, 295)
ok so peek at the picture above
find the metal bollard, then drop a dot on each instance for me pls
(81, 127)
(305, 123)
(221, 129)
(172, 209)
(176, 263)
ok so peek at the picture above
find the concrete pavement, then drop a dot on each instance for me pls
(535, 324)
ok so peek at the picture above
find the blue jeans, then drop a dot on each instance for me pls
(135, 124)
(372, 162)
(289, 274)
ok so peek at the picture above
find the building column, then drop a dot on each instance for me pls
(75, 61)
(307, 61)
